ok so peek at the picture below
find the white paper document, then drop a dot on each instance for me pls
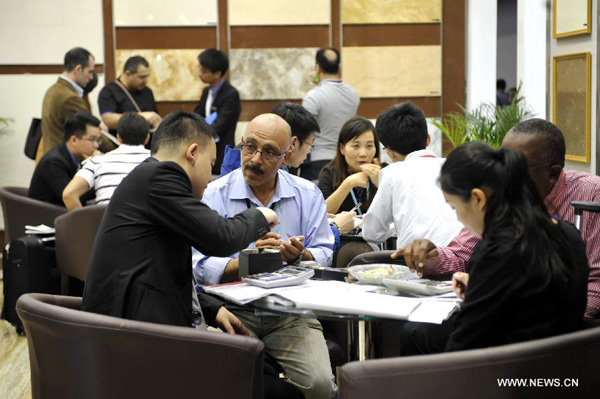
(39, 229)
(343, 298)
(431, 311)
(340, 297)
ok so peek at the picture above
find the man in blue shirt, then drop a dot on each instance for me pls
(297, 344)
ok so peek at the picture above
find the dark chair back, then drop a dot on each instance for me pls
(20, 210)
(570, 359)
(75, 235)
(75, 354)
(376, 257)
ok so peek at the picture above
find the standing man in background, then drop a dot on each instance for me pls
(220, 102)
(129, 93)
(65, 97)
(333, 102)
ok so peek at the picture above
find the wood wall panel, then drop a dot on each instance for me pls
(38, 69)
(453, 58)
(370, 108)
(392, 35)
(250, 108)
(223, 26)
(279, 36)
(336, 24)
(166, 38)
(109, 39)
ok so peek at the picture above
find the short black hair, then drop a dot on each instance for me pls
(402, 128)
(133, 129)
(76, 125)
(181, 127)
(133, 63)
(76, 56)
(214, 60)
(328, 64)
(501, 84)
(302, 122)
(553, 146)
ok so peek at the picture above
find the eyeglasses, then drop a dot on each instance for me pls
(97, 141)
(267, 155)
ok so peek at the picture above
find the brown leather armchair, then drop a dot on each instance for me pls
(19, 210)
(76, 354)
(566, 359)
(75, 235)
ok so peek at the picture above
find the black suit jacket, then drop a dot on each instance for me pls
(141, 263)
(52, 174)
(228, 108)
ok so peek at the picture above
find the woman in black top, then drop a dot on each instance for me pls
(352, 176)
(528, 275)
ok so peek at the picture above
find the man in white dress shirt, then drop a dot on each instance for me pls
(409, 195)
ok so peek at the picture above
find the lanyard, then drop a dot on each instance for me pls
(358, 211)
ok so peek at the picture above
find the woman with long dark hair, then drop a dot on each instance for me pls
(527, 277)
(352, 176)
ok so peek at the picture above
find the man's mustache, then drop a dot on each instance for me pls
(254, 168)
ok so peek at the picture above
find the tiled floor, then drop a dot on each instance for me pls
(15, 380)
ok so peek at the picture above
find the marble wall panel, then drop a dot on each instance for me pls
(174, 73)
(159, 13)
(41, 31)
(391, 11)
(279, 12)
(403, 71)
(272, 74)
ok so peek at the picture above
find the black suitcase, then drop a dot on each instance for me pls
(29, 265)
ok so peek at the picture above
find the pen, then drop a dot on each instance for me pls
(356, 207)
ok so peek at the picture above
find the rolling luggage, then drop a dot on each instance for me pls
(29, 265)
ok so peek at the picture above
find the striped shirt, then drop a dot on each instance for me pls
(105, 172)
(570, 186)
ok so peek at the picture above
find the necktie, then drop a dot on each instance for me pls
(209, 102)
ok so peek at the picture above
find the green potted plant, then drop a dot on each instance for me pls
(487, 123)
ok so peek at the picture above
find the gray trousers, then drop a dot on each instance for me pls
(299, 347)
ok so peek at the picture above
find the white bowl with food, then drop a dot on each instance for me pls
(374, 273)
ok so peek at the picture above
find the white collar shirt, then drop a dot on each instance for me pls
(409, 203)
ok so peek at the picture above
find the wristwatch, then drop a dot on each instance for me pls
(298, 259)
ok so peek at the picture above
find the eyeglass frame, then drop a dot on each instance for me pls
(97, 141)
(262, 153)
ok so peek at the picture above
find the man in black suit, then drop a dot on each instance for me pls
(140, 264)
(58, 166)
(219, 102)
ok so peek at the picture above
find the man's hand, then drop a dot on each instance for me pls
(460, 281)
(152, 118)
(103, 126)
(416, 253)
(372, 171)
(270, 215)
(291, 250)
(345, 221)
(269, 240)
(229, 323)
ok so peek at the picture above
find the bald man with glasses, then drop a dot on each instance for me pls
(303, 234)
